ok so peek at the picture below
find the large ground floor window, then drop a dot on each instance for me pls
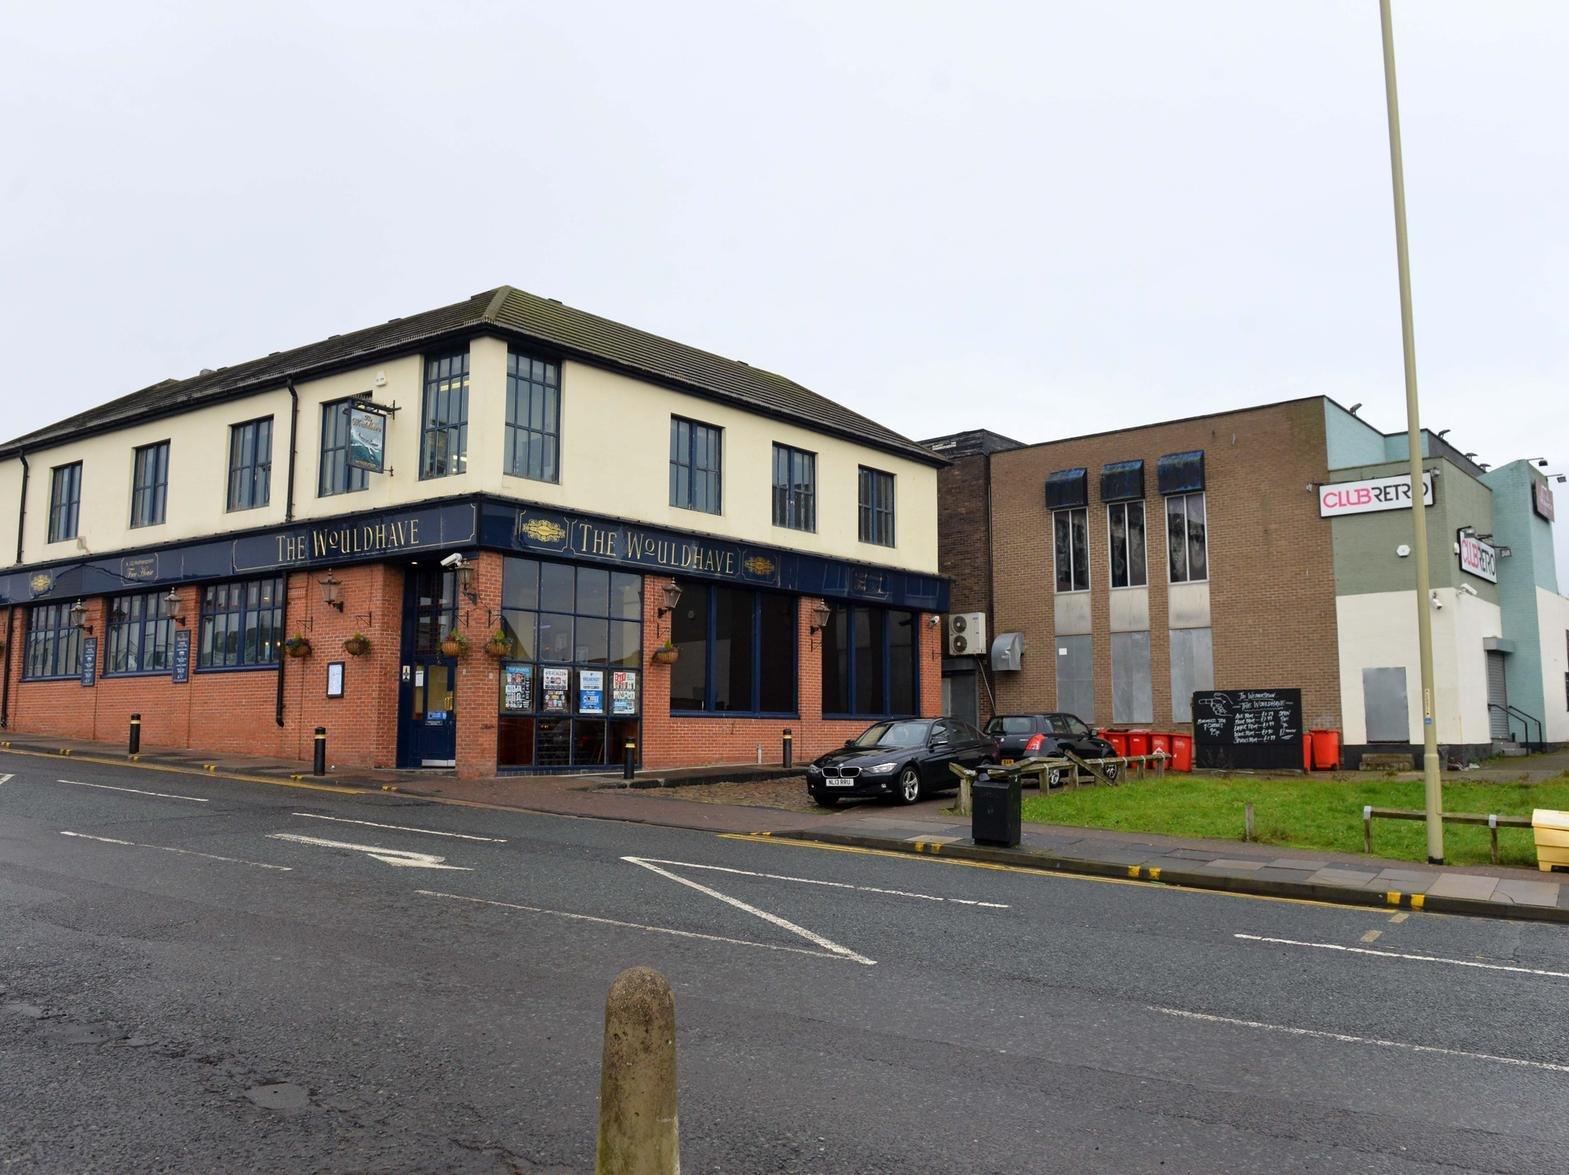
(569, 693)
(870, 662)
(737, 652)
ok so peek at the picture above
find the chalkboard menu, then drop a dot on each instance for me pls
(90, 661)
(180, 663)
(1259, 728)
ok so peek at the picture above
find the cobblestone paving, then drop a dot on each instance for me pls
(788, 794)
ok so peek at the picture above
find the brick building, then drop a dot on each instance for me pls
(1257, 549)
(500, 535)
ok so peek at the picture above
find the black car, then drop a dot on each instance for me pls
(1022, 736)
(902, 758)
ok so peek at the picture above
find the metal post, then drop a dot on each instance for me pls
(629, 762)
(319, 764)
(1424, 621)
(789, 748)
(136, 735)
(1247, 823)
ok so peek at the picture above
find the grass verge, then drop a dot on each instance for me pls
(1305, 813)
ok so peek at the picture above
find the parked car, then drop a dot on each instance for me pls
(902, 758)
(1023, 736)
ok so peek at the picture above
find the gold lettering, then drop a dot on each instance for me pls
(381, 535)
(729, 562)
(318, 543)
(413, 531)
(581, 542)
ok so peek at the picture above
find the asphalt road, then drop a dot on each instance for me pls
(216, 978)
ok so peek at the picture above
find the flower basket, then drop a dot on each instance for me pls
(499, 645)
(298, 645)
(454, 644)
(666, 655)
(357, 645)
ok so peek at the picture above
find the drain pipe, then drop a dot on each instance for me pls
(21, 513)
(294, 426)
(5, 686)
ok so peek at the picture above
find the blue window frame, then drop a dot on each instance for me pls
(795, 488)
(54, 643)
(533, 417)
(242, 624)
(336, 475)
(694, 465)
(141, 634)
(250, 464)
(737, 652)
(871, 666)
(444, 435)
(876, 507)
(65, 501)
(149, 484)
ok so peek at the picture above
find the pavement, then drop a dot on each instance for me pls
(928, 828)
(207, 973)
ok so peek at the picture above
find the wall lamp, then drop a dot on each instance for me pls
(332, 591)
(821, 615)
(79, 617)
(672, 594)
(174, 607)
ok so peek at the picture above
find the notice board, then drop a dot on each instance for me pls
(1259, 729)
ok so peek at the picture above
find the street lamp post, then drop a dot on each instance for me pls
(1424, 621)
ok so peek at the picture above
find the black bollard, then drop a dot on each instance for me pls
(136, 734)
(789, 748)
(319, 764)
(629, 764)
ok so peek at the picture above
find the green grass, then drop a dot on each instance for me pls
(1305, 813)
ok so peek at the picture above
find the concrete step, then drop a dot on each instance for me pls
(1508, 748)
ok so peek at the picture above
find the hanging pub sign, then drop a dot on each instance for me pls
(367, 436)
(517, 689)
(555, 688)
(591, 691)
(623, 691)
(1477, 556)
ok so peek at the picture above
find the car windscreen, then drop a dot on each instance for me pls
(1019, 724)
(893, 734)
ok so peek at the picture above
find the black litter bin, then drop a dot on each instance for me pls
(995, 815)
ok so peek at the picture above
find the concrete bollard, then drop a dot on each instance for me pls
(639, 1133)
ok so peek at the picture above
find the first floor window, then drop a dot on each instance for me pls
(1187, 540)
(738, 652)
(250, 464)
(54, 643)
(242, 623)
(150, 484)
(533, 417)
(869, 662)
(695, 469)
(65, 500)
(444, 438)
(336, 475)
(1126, 524)
(1071, 544)
(141, 634)
(795, 488)
(874, 502)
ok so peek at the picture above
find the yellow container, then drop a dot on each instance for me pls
(1551, 830)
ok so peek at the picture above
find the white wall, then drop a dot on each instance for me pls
(1552, 611)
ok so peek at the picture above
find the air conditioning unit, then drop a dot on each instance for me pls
(966, 634)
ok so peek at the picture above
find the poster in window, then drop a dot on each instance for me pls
(623, 691)
(555, 687)
(517, 689)
(367, 439)
(590, 691)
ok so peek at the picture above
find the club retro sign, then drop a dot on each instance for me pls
(1372, 495)
(1477, 556)
(1542, 500)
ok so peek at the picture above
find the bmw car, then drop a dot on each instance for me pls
(901, 759)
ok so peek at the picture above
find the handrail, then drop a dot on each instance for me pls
(1525, 720)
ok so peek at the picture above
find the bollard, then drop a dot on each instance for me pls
(629, 760)
(1247, 823)
(136, 735)
(639, 1131)
(789, 748)
(319, 764)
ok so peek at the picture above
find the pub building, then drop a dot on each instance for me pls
(503, 535)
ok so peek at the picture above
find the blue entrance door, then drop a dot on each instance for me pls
(428, 691)
(431, 717)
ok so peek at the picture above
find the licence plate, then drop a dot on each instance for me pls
(1007, 762)
(838, 783)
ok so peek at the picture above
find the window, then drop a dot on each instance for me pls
(694, 465)
(1126, 520)
(250, 464)
(875, 499)
(141, 634)
(54, 643)
(65, 500)
(337, 476)
(738, 652)
(1071, 542)
(870, 662)
(795, 488)
(1187, 543)
(533, 418)
(242, 623)
(444, 438)
(149, 484)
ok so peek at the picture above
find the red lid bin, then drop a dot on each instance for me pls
(1138, 742)
(1326, 749)
(1118, 740)
(1182, 752)
(1161, 743)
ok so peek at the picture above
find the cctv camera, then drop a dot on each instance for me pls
(453, 560)
(1438, 604)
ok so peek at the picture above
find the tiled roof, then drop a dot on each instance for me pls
(507, 312)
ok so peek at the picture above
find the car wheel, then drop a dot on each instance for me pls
(909, 785)
(826, 801)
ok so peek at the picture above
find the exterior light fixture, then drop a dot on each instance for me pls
(332, 591)
(672, 592)
(465, 571)
(173, 607)
(79, 617)
(821, 615)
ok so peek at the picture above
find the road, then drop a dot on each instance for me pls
(202, 974)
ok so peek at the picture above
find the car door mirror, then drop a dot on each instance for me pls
(849, 742)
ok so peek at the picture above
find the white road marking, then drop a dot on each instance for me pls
(7, 778)
(1371, 936)
(1346, 1038)
(1331, 946)
(739, 942)
(898, 893)
(135, 791)
(109, 840)
(1400, 917)
(773, 919)
(400, 857)
(495, 840)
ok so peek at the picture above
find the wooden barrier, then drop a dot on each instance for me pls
(1493, 821)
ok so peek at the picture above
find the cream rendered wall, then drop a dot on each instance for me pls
(1378, 629)
(1552, 612)
(10, 502)
(404, 386)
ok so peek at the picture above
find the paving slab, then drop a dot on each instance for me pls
(1530, 893)
(1456, 885)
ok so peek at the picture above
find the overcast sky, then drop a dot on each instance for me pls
(1045, 218)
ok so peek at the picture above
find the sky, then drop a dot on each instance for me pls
(1044, 219)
